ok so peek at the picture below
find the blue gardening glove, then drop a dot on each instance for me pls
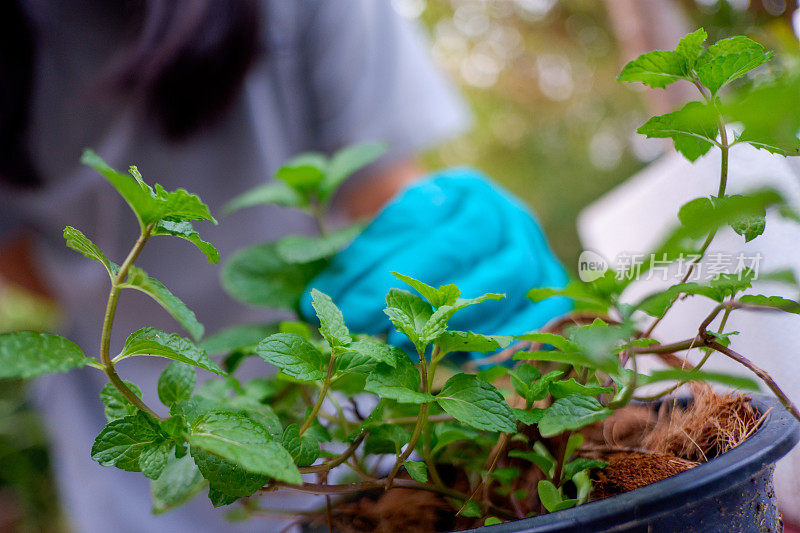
(454, 227)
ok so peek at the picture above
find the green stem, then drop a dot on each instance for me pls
(321, 398)
(108, 322)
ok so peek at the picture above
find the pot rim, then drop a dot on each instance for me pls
(775, 438)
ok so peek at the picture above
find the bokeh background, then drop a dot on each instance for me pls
(550, 123)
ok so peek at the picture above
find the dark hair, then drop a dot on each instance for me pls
(186, 65)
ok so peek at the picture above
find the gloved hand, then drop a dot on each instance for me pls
(454, 227)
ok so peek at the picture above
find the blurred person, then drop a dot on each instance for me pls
(213, 96)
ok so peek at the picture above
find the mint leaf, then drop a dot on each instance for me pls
(331, 321)
(347, 161)
(115, 404)
(269, 194)
(386, 438)
(352, 362)
(693, 129)
(139, 280)
(400, 383)
(149, 205)
(690, 47)
(80, 243)
(304, 450)
(184, 230)
(294, 355)
(260, 276)
(551, 498)
(580, 464)
(156, 343)
(379, 352)
(437, 323)
(244, 442)
(176, 383)
(122, 441)
(303, 178)
(522, 378)
(177, 484)
(444, 295)
(476, 403)
(467, 341)
(571, 413)
(655, 69)
(409, 313)
(558, 341)
(27, 354)
(546, 463)
(729, 59)
(528, 418)
(541, 387)
(417, 470)
(153, 459)
(562, 389)
(300, 249)
(784, 304)
(245, 336)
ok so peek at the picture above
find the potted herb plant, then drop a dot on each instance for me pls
(509, 447)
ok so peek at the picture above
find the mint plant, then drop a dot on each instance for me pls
(342, 400)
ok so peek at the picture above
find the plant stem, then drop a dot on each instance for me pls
(108, 322)
(326, 384)
(422, 417)
(354, 488)
(333, 463)
(766, 378)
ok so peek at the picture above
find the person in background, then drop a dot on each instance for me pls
(213, 96)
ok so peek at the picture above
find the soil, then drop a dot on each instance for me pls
(640, 445)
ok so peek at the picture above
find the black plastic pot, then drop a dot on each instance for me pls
(732, 492)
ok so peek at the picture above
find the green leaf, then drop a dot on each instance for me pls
(260, 276)
(580, 293)
(476, 403)
(115, 404)
(400, 383)
(541, 388)
(156, 343)
(153, 459)
(528, 418)
(294, 355)
(562, 389)
(492, 373)
(471, 509)
(677, 374)
(27, 354)
(240, 440)
(600, 342)
(177, 484)
(417, 470)
(552, 499)
(729, 59)
(304, 179)
(304, 450)
(690, 47)
(237, 338)
(506, 475)
(545, 462)
(277, 193)
(492, 521)
(149, 205)
(447, 434)
(122, 441)
(386, 438)
(655, 69)
(437, 323)
(331, 321)
(378, 352)
(557, 341)
(784, 304)
(444, 295)
(347, 161)
(176, 383)
(80, 243)
(522, 377)
(409, 313)
(693, 129)
(579, 465)
(139, 280)
(300, 249)
(467, 341)
(574, 442)
(571, 413)
(185, 230)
